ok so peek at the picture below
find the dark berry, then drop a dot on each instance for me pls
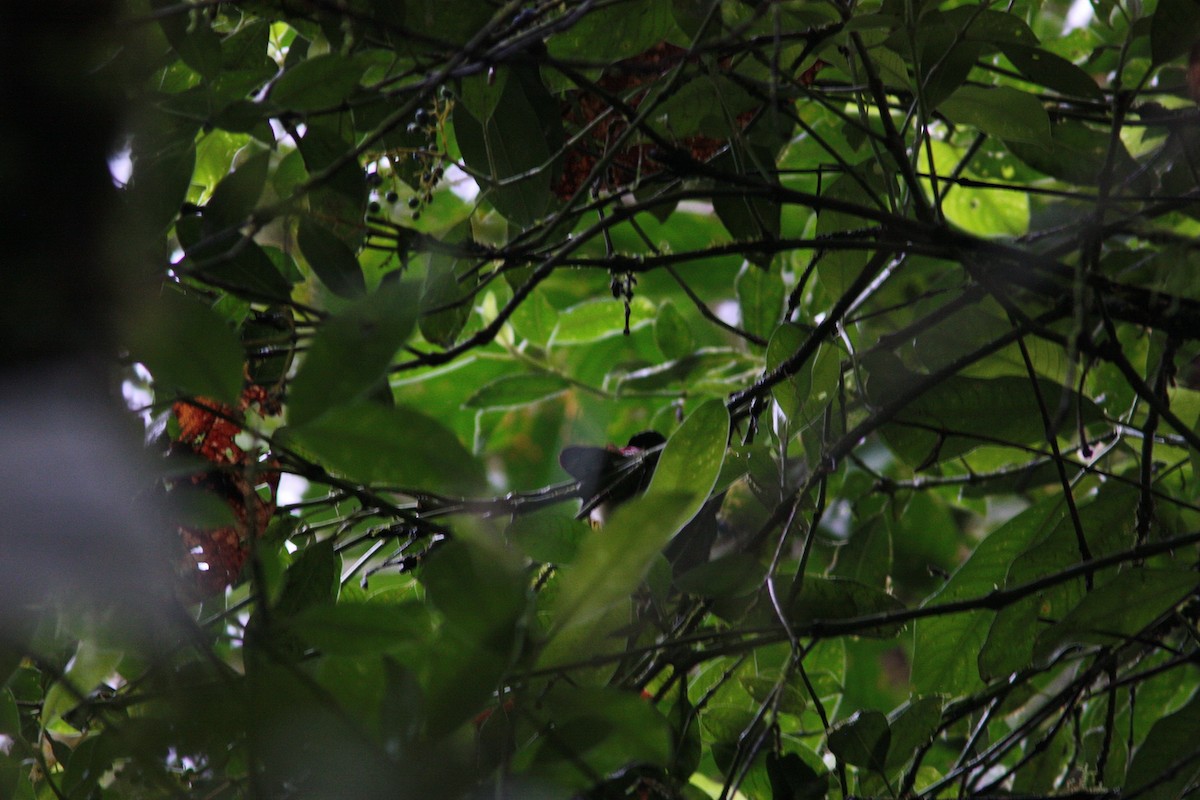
(373, 207)
(374, 179)
(413, 202)
(416, 215)
(392, 197)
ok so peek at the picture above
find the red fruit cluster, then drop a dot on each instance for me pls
(598, 126)
(213, 558)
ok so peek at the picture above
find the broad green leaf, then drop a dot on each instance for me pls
(838, 268)
(912, 727)
(481, 93)
(715, 367)
(1010, 645)
(1165, 764)
(671, 332)
(734, 575)
(236, 195)
(535, 318)
(791, 393)
(351, 351)
(691, 461)
(1000, 111)
(91, 664)
(609, 567)
(340, 201)
(548, 536)
(793, 779)
(598, 731)
(513, 391)
(241, 267)
(867, 556)
(311, 581)
(862, 740)
(945, 648)
(1174, 28)
(485, 616)
(513, 151)
(749, 218)
(361, 629)
(394, 446)
(961, 413)
(330, 259)
(317, 83)
(593, 320)
(447, 298)
(982, 211)
(831, 599)
(189, 350)
(1119, 610)
(1076, 153)
(1052, 71)
(616, 32)
(760, 294)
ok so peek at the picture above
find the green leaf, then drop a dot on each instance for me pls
(691, 461)
(734, 575)
(351, 352)
(749, 218)
(548, 536)
(236, 195)
(514, 150)
(672, 334)
(946, 647)
(189, 350)
(598, 731)
(1174, 28)
(317, 83)
(513, 391)
(447, 298)
(830, 599)
(535, 318)
(393, 446)
(593, 320)
(92, 664)
(912, 727)
(1165, 764)
(1052, 71)
(1119, 610)
(1075, 153)
(1010, 645)
(360, 629)
(330, 258)
(616, 32)
(311, 580)
(608, 568)
(1000, 111)
(481, 93)
(862, 740)
(486, 615)
(792, 779)
(960, 413)
(760, 294)
(239, 266)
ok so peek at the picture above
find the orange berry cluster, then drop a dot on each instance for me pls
(213, 558)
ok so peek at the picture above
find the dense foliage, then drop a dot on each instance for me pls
(909, 286)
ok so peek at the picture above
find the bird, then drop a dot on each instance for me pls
(611, 475)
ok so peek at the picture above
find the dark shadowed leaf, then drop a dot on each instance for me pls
(330, 259)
